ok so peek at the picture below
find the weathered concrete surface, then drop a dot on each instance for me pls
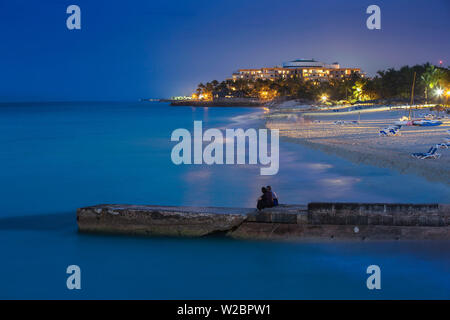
(388, 214)
(274, 231)
(158, 220)
(318, 221)
(348, 221)
(280, 214)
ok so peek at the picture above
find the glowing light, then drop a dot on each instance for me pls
(267, 94)
(439, 92)
(324, 97)
(205, 96)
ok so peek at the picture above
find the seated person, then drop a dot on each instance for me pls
(274, 196)
(266, 200)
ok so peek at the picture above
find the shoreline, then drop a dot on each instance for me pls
(217, 103)
(360, 143)
(359, 157)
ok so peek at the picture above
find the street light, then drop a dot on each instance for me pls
(324, 98)
(438, 92)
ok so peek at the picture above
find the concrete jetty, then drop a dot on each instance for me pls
(315, 221)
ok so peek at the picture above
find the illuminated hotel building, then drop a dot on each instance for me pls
(302, 68)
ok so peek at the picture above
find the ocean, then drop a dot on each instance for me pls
(56, 157)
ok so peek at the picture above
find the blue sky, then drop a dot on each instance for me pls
(132, 49)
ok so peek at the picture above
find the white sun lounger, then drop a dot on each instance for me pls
(443, 145)
(389, 132)
(431, 154)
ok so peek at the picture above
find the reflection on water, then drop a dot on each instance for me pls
(58, 157)
(119, 267)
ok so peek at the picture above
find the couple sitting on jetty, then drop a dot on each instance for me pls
(268, 199)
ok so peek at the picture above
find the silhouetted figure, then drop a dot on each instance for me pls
(274, 196)
(266, 200)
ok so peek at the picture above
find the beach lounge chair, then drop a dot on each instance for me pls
(444, 145)
(431, 154)
(394, 132)
(389, 132)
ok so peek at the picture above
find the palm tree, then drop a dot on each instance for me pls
(427, 78)
(214, 87)
(358, 93)
(200, 88)
(431, 78)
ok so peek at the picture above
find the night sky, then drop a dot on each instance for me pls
(128, 50)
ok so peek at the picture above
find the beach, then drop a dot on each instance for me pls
(360, 142)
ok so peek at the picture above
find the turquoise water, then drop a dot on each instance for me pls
(56, 157)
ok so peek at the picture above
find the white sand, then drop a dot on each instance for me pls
(290, 104)
(360, 142)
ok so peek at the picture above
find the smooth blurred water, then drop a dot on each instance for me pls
(56, 157)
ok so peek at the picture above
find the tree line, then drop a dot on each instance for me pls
(387, 84)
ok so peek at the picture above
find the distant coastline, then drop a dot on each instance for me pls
(237, 102)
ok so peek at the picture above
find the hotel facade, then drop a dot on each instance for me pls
(299, 69)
